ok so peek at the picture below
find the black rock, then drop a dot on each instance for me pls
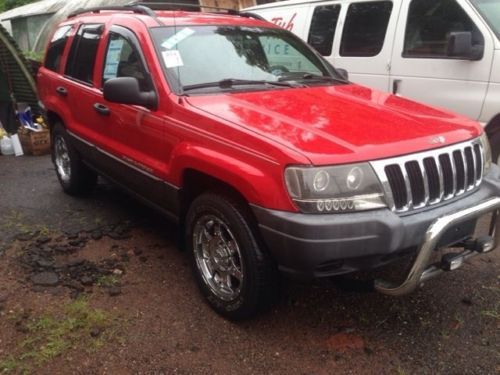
(75, 285)
(75, 242)
(25, 236)
(3, 297)
(96, 235)
(467, 301)
(87, 281)
(75, 294)
(45, 279)
(75, 263)
(95, 332)
(137, 251)
(45, 263)
(114, 291)
(119, 236)
(71, 235)
(43, 240)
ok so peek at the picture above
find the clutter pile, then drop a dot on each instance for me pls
(32, 138)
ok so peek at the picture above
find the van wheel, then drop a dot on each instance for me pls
(234, 274)
(74, 176)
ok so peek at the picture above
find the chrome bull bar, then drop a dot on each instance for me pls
(421, 270)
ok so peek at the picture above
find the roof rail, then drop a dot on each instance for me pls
(148, 8)
(130, 8)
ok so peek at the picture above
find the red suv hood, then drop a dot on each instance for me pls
(340, 124)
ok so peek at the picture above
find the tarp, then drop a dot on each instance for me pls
(17, 69)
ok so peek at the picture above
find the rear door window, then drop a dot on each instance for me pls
(56, 48)
(365, 28)
(82, 56)
(322, 30)
(430, 24)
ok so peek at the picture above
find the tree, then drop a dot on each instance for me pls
(11, 4)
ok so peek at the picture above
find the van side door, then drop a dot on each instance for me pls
(364, 47)
(427, 64)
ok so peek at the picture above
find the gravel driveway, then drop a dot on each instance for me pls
(97, 285)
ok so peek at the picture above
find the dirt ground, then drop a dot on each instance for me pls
(98, 286)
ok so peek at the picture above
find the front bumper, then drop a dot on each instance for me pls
(311, 246)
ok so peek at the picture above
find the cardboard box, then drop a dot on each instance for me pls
(35, 143)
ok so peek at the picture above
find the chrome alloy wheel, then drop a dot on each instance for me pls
(62, 160)
(218, 257)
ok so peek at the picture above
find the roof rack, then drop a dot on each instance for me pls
(149, 8)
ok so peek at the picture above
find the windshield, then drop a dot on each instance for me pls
(490, 10)
(215, 58)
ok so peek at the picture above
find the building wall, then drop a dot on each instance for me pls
(231, 4)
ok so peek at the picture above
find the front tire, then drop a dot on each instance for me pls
(234, 274)
(74, 176)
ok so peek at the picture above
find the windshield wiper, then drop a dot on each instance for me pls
(309, 76)
(230, 82)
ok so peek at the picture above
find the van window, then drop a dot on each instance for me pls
(490, 10)
(82, 56)
(429, 25)
(322, 31)
(365, 28)
(56, 48)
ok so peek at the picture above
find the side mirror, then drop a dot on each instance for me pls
(343, 73)
(126, 90)
(460, 46)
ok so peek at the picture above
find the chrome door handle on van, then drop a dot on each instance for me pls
(395, 86)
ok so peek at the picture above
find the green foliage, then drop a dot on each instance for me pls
(11, 4)
(52, 334)
(36, 56)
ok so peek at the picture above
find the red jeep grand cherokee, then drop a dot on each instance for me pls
(267, 156)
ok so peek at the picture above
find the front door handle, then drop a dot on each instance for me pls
(395, 86)
(62, 91)
(102, 109)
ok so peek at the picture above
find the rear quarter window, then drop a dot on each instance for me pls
(56, 48)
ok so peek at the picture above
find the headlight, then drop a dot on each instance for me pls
(344, 188)
(486, 152)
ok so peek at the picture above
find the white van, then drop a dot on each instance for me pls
(442, 52)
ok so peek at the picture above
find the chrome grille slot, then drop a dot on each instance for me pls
(459, 171)
(397, 182)
(416, 183)
(423, 179)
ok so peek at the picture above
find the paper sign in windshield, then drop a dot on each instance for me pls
(172, 59)
(178, 37)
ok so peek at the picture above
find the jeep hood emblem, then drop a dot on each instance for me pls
(438, 140)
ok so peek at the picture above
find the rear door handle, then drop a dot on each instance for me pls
(395, 86)
(102, 109)
(62, 91)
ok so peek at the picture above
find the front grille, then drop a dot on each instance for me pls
(427, 178)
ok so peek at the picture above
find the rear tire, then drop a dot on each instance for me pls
(74, 176)
(234, 274)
